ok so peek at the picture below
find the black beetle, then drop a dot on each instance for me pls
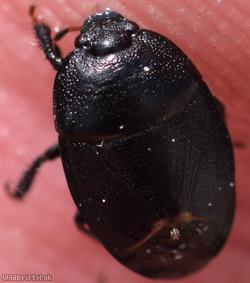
(144, 146)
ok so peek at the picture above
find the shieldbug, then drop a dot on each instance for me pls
(144, 146)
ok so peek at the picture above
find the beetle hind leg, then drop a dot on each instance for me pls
(28, 176)
(81, 225)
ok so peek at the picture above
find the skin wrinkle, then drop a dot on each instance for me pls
(214, 34)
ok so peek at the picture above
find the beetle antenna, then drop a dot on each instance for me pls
(32, 10)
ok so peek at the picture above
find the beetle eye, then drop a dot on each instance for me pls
(82, 43)
(131, 28)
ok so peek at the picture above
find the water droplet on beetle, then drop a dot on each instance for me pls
(175, 234)
(176, 254)
(100, 144)
(182, 247)
(198, 230)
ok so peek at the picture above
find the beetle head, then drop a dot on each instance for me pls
(105, 33)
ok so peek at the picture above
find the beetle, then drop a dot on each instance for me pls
(144, 146)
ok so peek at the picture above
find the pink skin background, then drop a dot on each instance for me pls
(37, 235)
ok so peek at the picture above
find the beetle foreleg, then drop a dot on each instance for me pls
(27, 178)
(81, 225)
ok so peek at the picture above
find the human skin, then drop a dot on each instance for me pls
(37, 234)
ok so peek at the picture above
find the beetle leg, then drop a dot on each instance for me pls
(81, 225)
(43, 34)
(61, 33)
(27, 178)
